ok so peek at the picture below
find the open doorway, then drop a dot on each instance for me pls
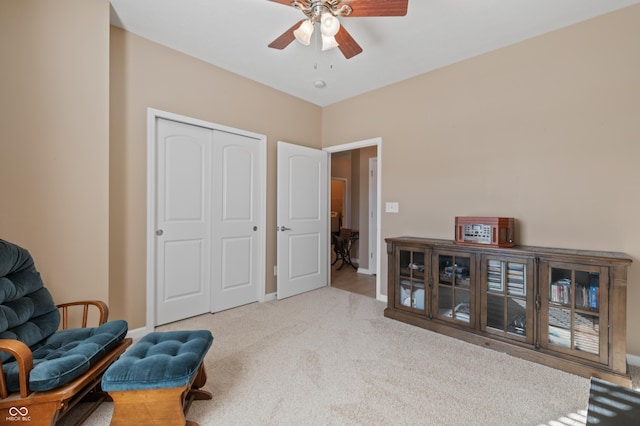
(356, 209)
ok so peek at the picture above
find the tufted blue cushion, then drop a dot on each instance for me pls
(159, 360)
(27, 310)
(67, 355)
(29, 314)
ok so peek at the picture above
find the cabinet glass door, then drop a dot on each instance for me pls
(412, 292)
(454, 301)
(507, 294)
(577, 310)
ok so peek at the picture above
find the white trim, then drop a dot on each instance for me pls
(151, 190)
(377, 142)
(152, 116)
(365, 271)
(138, 333)
(633, 360)
(270, 297)
(372, 194)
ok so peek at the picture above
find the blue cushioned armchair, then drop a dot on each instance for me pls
(46, 367)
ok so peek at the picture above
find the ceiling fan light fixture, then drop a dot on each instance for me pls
(328, 14)
(328, 42)
(304, 31)
(329, 25)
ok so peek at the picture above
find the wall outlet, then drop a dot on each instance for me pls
(392, 207)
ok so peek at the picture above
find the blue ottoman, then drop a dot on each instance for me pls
(156, 380)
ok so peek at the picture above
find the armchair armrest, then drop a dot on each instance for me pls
(24, 357)
(102, 307)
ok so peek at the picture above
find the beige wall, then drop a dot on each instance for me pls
(54, 158)
(145, 74)
(546, 131)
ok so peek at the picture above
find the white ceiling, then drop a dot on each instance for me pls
(234, 35)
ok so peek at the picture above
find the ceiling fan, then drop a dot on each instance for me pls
(326, 13)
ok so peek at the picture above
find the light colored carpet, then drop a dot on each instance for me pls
(329, 357)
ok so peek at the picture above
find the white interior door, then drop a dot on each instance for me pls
(373, 215)
(303, 230)
(236, 220)
(183, 233)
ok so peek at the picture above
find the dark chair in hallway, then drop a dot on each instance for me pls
(342, 243)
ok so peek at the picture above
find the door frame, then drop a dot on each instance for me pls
(152, 116)
(373, 227)
(377, 142)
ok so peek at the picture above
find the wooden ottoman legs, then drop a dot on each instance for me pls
(167, 406)
(195, 393)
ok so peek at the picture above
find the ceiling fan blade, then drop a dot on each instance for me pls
(347, 44)
(286, 38)
(377, 7)
(285, 2)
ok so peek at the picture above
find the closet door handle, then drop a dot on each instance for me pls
(284, 228)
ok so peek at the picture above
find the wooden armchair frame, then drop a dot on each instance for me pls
(46, 408)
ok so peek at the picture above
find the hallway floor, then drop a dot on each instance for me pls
(348, 279)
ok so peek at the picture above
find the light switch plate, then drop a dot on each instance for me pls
(392, 207)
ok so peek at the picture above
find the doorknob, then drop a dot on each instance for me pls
(159, 232)
(255, 228)
(284, 228)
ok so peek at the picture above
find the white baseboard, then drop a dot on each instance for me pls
(270, 296)
(138, 333)
(365, 271)
(633, 360)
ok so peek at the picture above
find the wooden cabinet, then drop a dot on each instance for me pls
(453, 294)
(574, 313)
(558, 307)
(507, 296)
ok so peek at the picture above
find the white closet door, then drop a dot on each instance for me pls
(236, 220)
(206, 213)
(183, 211)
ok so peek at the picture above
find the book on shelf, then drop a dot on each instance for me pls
(583, 297)
(594, 297)
(560, 291)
